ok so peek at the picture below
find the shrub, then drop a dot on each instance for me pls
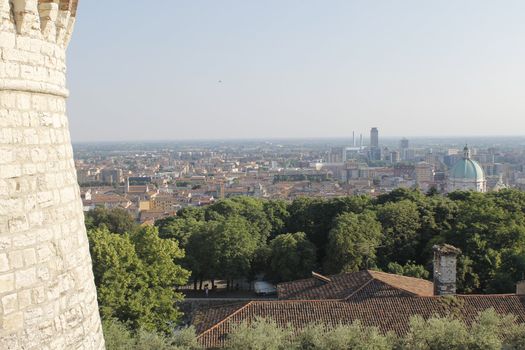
(119, 337)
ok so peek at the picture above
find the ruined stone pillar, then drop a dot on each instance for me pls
(48, 299)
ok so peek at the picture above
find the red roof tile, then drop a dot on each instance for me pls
(209, 315)
(351, 284)
(375, 298)
(389, 314)
(416, 286)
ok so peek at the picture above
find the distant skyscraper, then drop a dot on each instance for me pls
(403, 147)
(374, 138)
(394, 157)
(374, 152)
(336, 155)
(403, 144)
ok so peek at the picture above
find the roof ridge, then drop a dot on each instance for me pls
(335, 275)
(396, 287)
(225, 319)
(397, 275)
(360, 288)
(294, 281)
(296, 300)
(416, 296)
(482, 295)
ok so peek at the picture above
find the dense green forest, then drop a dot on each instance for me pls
(137, 268)
(394, 232)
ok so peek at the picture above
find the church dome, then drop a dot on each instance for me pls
(467, 169)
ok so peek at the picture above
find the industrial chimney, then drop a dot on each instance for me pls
(445, 269)
(520, 288)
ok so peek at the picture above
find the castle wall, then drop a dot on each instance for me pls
(47, 293)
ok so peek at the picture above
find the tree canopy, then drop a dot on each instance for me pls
(136, 275)
(137, 269)
(352, 242)
(292, 256)
(488, 228)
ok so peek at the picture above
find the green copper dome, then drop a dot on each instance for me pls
(467, 169)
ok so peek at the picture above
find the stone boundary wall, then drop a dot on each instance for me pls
(47, 293)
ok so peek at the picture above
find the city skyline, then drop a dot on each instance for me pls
(296, 69)
(282, 197)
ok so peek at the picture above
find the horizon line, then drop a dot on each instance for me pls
(305, 138)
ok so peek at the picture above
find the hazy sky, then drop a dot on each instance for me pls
(150, 70)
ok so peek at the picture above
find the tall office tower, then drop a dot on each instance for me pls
(374, 152)
(336, 155)
(394, 157)
(403, 144)
(374, 138)
(403, 147)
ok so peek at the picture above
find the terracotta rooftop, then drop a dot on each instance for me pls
(375, 298)
(415, 286)
(353, 284)
(211, 315)
(389, 314)
(108, 198)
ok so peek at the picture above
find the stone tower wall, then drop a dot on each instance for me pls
(445, 257)
(47, 293)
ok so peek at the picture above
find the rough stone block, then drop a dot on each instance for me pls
(25, 278)
(29, 256)
(10, 304)
(7, 282)
(13, 321)
(38, 295)
(16, 259)
(5, 243)
(24, 299)
(4, 263)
